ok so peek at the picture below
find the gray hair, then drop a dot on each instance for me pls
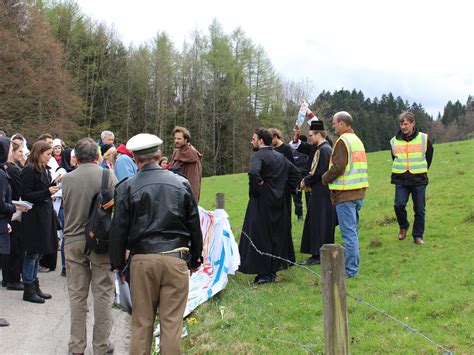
(86, 150)
(153, 156)
(107, 133)
(344, 116)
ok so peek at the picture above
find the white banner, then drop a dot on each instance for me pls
(221, 258)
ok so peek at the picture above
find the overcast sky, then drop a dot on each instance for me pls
(422, 51)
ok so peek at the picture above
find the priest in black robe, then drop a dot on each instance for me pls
(321, 217)
(267, 224)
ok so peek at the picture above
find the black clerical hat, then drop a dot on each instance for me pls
(316, 126)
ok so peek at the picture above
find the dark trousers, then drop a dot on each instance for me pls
(12, 264)
(298, 201)
(402, 193)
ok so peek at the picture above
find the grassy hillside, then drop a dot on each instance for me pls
(428, 287)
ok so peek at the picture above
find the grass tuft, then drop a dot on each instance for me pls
(374, 243)
(470, 218)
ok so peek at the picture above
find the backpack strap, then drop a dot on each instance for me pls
(105, 181)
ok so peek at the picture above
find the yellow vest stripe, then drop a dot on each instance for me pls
(410, 156)
(356, 174)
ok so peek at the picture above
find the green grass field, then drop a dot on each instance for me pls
(429, 287)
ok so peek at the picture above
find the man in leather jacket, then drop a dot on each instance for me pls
(157, 219)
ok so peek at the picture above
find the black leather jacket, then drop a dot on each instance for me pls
(155, 211)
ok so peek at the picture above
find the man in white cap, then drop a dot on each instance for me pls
(157, 219)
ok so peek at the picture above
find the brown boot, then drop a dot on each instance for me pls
(402, 234)
(419, 241)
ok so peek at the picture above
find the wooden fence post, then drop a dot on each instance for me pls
(220, 200)
(336, 337)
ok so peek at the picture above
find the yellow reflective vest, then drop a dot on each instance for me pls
(410, 156)
(355, 176)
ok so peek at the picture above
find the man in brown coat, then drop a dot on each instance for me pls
(347, 178)
(186, 160)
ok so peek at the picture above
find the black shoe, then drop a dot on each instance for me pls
(4, 283)
(15, 286)
(3, 322)
(29, 294)
(311, 261)
(263, 279)
(40, 293)
(110, 350)
(63, 272)
(300, 218)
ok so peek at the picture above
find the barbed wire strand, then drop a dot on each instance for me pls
(294, 341)
(357, 298)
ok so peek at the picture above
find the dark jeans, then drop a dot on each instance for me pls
(30, 268)
(61, 219)
(402, 193)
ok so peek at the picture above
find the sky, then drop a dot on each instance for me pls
(422, 51)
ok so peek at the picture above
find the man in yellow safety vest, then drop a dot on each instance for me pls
(412, 153)
(347, 179)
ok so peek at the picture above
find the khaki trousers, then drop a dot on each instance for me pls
(84, 270)
(158, 280)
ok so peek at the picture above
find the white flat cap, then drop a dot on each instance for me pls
(57, 143)
(144, 143)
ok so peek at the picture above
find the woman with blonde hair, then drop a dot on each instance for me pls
(109, 154)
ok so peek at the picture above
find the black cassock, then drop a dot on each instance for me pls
(321, 217)
(267, 222)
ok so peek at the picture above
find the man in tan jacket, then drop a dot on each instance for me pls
(84, 271)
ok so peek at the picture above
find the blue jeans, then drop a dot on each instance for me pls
(30, 268)
(402, 193)
(348, 216)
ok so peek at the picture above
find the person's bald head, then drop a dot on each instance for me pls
(341, 122)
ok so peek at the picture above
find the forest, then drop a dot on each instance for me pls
(64, 73)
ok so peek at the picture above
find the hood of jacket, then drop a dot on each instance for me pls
(4, 149)
(187, 154)
(401, 136)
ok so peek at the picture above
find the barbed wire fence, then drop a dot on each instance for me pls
(358, 299)
(276, 323)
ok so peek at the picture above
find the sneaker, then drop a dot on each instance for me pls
(4, 322)
(63, 272)
(42, 269)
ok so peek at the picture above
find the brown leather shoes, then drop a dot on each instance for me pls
(419, 241)
(402, 234)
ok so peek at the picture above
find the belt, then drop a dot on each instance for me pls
(176, 254)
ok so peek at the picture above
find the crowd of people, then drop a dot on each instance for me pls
(47, 191)
(334, 179)
(155, 237)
